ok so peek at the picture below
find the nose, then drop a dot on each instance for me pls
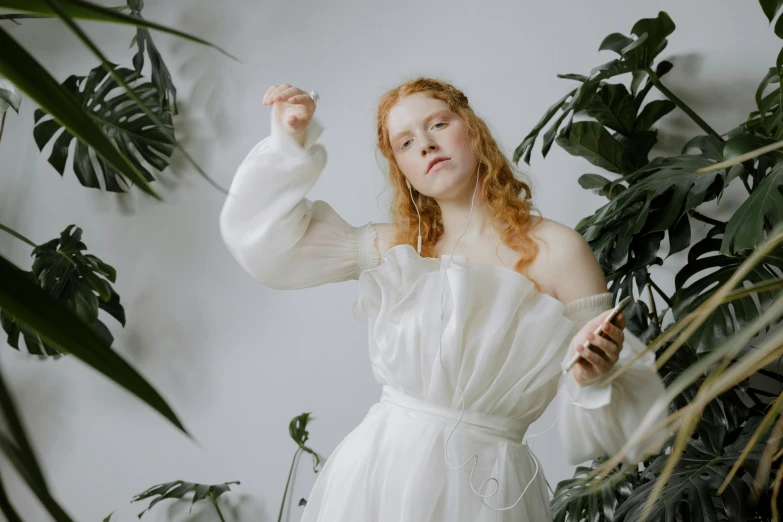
(427, 146)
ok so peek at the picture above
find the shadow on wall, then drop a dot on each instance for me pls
(161, 340)
(703, 97)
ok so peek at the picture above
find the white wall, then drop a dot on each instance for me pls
(236, 360)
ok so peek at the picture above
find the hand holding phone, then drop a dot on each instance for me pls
(599, 331)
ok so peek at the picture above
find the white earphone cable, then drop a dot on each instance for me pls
(462, 394)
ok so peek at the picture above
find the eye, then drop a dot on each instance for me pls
(403, 146)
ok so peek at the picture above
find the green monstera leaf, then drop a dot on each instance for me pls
(757, 215)
(121, 120)
(160, 75)
(576, 499)
(706, 270)
(297, 428)
(80, 281)
(767, 120)
(690, 491)
(721, 417)
(611, 105)
(642, 253)
(771, 8)
(179, 488)
(9, 96)
(620, 138)
(655, 200)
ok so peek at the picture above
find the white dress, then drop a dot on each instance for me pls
(502, 340)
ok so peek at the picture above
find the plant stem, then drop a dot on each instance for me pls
(285, 493)
(652, 303)
(706, 219)
(2, 125)
(214, 503)
(746, 184)
(663, 314)
(662, 294)
(13, 18)
(17, 235)
(679, 103)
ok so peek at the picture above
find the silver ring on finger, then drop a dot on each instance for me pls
(314, 95)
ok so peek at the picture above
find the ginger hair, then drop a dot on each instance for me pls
(509, 198)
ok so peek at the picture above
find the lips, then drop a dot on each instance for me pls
(435, 161)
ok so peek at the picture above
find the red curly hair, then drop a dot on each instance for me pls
(509, 198)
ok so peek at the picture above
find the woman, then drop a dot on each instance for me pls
(464, 371)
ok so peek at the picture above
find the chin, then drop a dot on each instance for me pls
(451, 187)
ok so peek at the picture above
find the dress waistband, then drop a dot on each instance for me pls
(497, 425)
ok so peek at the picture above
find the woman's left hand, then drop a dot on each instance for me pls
(594, 366)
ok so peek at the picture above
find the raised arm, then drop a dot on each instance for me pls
(279, 236)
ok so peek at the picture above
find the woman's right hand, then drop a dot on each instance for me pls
(292, 107)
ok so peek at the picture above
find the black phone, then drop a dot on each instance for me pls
(599, 331)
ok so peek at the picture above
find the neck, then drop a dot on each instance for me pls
(455, 214)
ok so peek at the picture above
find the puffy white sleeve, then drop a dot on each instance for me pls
(279, 236)
(595, 420)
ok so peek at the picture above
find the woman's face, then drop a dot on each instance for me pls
(422, 129)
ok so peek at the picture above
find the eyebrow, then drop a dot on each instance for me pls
(430, 117)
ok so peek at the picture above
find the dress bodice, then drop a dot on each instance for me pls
(502, 339)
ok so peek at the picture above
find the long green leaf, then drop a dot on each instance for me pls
(20, 453)
(526, 147)
(30, 77)
(6, 507)
(89, 11)
(63, 329)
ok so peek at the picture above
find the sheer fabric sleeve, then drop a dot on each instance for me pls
(595, 420)
(279, 236)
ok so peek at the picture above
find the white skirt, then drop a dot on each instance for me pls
(392, 468)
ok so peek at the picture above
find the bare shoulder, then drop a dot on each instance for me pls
(569, 261)
(561, 241)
